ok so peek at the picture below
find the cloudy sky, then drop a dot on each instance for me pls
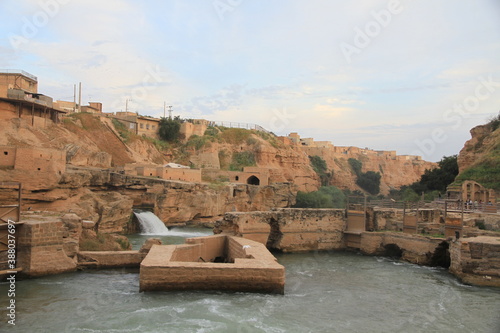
(412, 76)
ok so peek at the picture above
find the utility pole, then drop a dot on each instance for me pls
(126, 104)
(170, 111)
(164, 108)
(74, 98)
(80, 97)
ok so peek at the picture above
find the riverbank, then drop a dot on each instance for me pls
(325, 292)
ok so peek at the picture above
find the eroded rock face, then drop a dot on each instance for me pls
(482, 140)
(476, 260)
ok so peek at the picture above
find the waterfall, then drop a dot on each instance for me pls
(150, 223)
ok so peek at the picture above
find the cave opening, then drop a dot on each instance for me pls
(393, 251)
(441, 256)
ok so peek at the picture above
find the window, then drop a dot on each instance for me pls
(147, 126)
(153, 126)
(142, 125)
(6, 153)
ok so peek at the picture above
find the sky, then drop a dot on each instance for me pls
(411, 76)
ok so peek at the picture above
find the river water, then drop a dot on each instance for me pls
(325, 292)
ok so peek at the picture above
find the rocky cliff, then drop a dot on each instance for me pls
(87, 185)
(480, 157)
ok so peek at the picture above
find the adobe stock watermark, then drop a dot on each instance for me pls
(280, 120)
(456, 114)
(151, 80)
(224, 6)
(371, 30)
(40, 19)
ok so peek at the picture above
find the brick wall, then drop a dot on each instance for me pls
(260, 274)
(40, 248)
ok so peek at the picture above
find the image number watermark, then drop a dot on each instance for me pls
(11, 279)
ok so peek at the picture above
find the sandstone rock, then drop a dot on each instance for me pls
(476, 260)
(148, 244)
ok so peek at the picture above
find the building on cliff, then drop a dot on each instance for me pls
(19, 98)
(140, 125)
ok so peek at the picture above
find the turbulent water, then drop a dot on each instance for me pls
(150, 224)
(325, 292)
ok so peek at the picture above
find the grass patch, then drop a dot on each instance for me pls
(103, 242)
(198, 142)
(241, 160)
(235, 136)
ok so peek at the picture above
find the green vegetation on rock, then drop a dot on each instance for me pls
(168, 128)
(241, 160)
(319, 166)
(368, 181)
(325, 197)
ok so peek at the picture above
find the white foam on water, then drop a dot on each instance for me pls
(150, 224)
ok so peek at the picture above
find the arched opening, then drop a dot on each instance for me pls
(275, 236)
(237, 178)
(252, 180)
(393, 251)
(441, 256)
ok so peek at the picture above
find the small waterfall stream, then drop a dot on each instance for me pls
(150, 223)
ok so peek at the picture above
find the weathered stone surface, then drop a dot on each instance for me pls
(148, 244)
(476, 260)
(415, 248)
(41, 247)
(288, 230)
(110, 259)
(249, 266)
(482, 141)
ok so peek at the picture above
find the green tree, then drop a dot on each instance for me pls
(369, 181)
(325, 197)
(168, 128)
(439, 178)
(319, 166)
(355, 165)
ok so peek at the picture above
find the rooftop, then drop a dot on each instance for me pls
(18, 71)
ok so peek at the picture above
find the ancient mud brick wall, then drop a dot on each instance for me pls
(289, 230)
(476, 260)
(209, 247)
(415, 248)
(258, 272)
(40, 248)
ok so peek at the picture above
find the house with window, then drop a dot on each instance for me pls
(19, 98)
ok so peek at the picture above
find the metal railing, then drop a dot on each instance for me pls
(18, 71)
(232, 124)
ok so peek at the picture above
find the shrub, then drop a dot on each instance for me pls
(369, 181)
(355, 165)
(235, 136)
(319, 166)
(211, 131)
(169, 129)
(241, 160)
(325, 197)
(198, 142)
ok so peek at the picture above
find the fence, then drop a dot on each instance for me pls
(231, 124)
